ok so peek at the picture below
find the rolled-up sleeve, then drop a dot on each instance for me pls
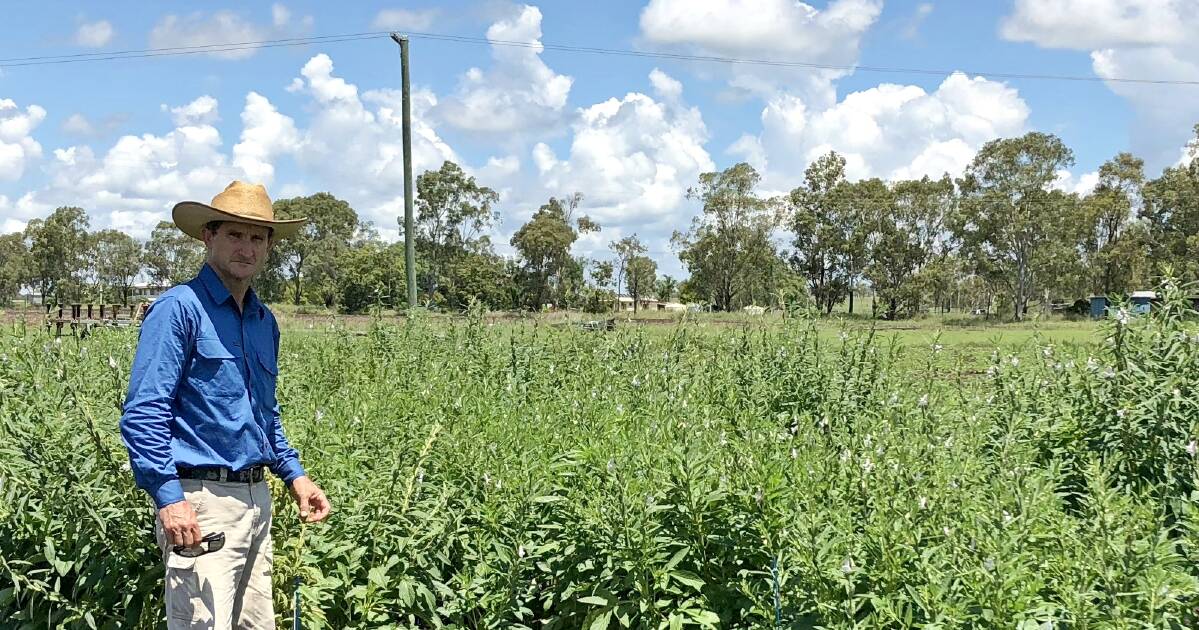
(146, 421)
(287, 461)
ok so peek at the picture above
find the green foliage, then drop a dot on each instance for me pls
(728, 250)
(15, 265)
(117, 261)
(453, 213)
(309, 258)
(525, 476)
(550, 273)
(1017, 229)
(372, 275)
(58, 246)
(172, 257)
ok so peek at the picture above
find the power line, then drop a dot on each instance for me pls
(463, 39)
(185, 50)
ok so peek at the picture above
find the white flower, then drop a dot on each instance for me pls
(989, 564)
(924, 503)
(1015, 361)
(1120, 413)
(112, 362)
(847, 565)
(320, 415)
(923, 402)
(1047, 352)
(126, 467)
(758, 496)
(1192, 448)
(844, 455)
(83, 352)
(843, 336)
(937, 347)
(1007, 518)
(1092, 364)
(1109, 374)
(867, 465)
(520, 551)
(992, 371)
(1122, 316)
(611, 465)
(794, 453)
(636, 382)
(486, 479)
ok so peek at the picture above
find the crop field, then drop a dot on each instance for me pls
(784, 475)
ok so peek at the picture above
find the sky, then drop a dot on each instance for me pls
(905, 89)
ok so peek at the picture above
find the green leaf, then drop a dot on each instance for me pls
(688, 578)
(594, 600)
(601, 622)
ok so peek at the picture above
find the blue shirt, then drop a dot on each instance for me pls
(202, 391)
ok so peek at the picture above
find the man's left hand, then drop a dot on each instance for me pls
(314, 505)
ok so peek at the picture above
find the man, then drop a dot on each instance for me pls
(201, 420)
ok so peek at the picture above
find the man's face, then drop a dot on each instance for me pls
(238, 250)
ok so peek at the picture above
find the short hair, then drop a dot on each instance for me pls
(213, 226)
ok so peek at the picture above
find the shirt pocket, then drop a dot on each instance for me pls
(270, 375)
(214, 370)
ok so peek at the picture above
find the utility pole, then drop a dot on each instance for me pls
(409, 246)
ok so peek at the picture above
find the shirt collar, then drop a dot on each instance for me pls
(219, 294)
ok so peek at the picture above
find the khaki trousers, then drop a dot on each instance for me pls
(230, 588)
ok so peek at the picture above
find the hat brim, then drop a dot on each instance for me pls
(192, 216)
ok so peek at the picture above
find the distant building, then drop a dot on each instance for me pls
(146, 292)
(644, 303)
(673, 307)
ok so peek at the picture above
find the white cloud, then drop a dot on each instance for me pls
(224, 27)
(889, 131)
(355, 143)
(79, 125)
(133, 184)
(202, 111)
(266, 134)
(911, 29)
(520, 93)
(1138, 39)
(766, 29)
(633, 159)
(94, 34)
(1081, 185)
(1092, 24)
(280, 15)
(17, 146)
(405, 19)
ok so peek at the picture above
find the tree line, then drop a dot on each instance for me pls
(998, 238)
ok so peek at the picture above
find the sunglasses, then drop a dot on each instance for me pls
(208, 544)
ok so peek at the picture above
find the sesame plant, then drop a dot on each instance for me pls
(762, 476)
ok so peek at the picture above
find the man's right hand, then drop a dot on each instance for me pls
(179, 522)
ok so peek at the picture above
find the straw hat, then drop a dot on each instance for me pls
(240, 202)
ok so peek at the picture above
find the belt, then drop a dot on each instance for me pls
(251, 474)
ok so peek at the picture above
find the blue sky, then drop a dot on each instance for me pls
(126, 139)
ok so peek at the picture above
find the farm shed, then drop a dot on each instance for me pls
(1142, 301)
